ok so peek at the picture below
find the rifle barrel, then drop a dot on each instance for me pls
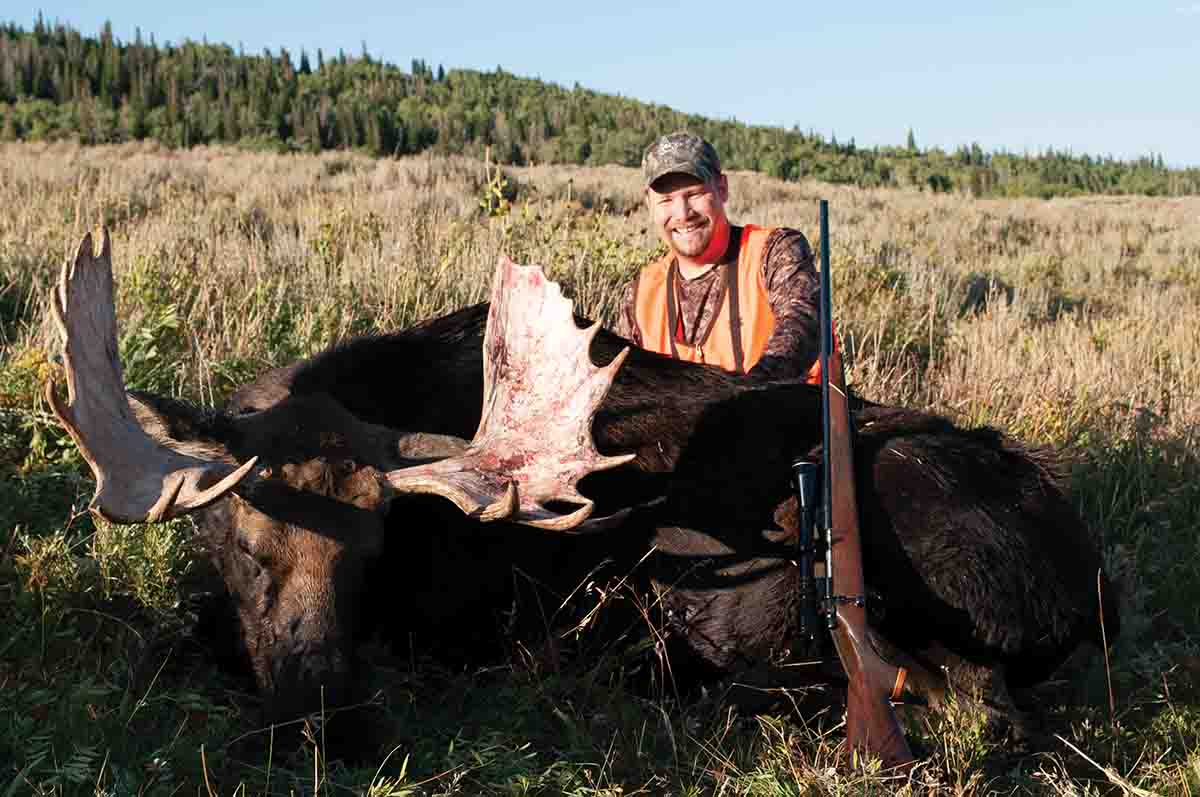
(826, 316)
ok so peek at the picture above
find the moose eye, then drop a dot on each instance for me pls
(253, 563)
(243, 545)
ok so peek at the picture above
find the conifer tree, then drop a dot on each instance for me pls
(55, 82)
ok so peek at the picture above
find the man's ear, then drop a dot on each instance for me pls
(723, 187)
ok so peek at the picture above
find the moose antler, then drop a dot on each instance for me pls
(540, 394)
(137, 478)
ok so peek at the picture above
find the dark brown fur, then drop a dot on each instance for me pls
(981, 564)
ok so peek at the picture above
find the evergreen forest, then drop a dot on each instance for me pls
(58, 83)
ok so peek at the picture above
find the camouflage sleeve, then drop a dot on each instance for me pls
(793, 292)
(626, 325)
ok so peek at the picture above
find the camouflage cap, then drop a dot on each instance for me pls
(681, 152)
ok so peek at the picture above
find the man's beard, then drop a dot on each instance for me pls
(695, 243)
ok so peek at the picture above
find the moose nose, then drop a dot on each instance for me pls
(320, 666)
(311, 662)
(311, 679)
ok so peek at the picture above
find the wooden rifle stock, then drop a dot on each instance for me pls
(872, 683)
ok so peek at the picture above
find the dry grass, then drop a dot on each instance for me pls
(1071, 322)
(250, 246)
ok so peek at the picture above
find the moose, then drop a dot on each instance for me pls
(320, 491)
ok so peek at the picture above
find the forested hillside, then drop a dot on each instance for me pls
(56, 82)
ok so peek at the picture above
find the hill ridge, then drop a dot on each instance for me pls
(56, 82)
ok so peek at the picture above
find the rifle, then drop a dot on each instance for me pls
(872, 683)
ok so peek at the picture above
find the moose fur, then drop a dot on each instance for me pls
(981, 567)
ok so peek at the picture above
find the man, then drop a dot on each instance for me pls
(742, 298)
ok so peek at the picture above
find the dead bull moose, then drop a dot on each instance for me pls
(303, 487)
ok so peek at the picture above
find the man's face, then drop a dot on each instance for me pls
(687, 211)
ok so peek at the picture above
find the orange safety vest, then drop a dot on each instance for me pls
(744, 323)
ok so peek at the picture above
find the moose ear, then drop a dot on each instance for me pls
(419, 447)
(183, 427)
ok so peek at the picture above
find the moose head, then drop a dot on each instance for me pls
(291, 500)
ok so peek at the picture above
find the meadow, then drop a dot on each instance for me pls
(1071, 322)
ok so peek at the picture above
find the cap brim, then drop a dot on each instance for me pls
(677, 168)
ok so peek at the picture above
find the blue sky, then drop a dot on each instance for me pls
(1100, 77)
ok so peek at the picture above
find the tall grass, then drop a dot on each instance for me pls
(1070, 322)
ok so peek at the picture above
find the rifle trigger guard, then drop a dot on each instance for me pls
(852, 600)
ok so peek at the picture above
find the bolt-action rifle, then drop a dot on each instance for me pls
(873, 684)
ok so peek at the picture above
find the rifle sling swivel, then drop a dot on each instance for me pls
(819, 587)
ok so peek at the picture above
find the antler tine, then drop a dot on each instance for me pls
(541, 393)
(477, 498)
(137, 478)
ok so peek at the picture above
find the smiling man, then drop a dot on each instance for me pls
(744, 298)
